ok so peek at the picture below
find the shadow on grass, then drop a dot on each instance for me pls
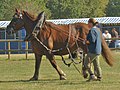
(17, 59)
(28, 81)
(12, 81)
(60, 82)
(47, 82)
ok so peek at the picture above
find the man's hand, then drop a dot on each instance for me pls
(87, 42)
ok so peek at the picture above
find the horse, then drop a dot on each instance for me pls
(52, 39)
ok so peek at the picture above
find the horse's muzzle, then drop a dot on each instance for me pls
(9, 30)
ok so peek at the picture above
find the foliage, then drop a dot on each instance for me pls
(4, 5)
(77, 8)
(113, 8)
(94, 8)
(7, 7)
(57, 9)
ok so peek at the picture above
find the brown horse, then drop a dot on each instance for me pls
(52, 38)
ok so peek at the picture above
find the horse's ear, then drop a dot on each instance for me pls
(42, 14)
(23, 11)
(16, 10)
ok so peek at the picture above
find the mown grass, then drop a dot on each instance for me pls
(15, 73)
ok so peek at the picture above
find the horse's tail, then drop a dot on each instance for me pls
(106, 53)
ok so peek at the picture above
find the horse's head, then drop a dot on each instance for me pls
(16, 23)
(83, 29)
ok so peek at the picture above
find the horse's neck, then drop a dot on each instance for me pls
(28, 24)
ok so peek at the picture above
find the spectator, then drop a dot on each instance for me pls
(114, 34)
(107, 35)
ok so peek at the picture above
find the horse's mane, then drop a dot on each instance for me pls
(31, 16)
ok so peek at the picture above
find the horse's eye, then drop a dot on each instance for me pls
(15, 16)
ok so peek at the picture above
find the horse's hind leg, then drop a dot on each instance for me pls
(54, 64)
(37, 66)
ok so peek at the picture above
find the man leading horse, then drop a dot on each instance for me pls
(94, 43)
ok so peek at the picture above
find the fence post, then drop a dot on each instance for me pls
(9, 50)
(26, 49)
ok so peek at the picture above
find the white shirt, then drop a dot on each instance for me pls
(107, 36)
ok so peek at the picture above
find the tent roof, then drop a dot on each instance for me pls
(102, 20)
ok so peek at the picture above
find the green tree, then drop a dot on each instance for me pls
(4, 5)
(64, 8)
(113, 8)
(7, 7)
(94, 8)
(77, 8)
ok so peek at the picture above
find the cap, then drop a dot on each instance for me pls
(92, 20)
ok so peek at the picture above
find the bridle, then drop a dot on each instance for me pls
(15, 19)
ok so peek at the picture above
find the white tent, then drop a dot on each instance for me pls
(102, 20)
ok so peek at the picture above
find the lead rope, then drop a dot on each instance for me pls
(72, 59)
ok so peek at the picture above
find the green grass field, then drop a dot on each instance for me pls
(15, 73)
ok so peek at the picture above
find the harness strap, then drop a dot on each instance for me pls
(70, 31)
(59, 29)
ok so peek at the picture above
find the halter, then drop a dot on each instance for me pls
(15, 17)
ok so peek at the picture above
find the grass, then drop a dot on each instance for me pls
(15, 73)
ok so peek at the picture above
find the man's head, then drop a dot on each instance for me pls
(92, 22)
(106, 31)
(114, 29)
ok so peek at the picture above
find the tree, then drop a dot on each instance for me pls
(64, 8)
(55, 9)
(76, 8)
(113, 8)
(4, 5)
(94, 8)
(7, 7)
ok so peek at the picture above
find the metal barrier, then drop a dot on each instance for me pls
(116, 48)
(9, 50)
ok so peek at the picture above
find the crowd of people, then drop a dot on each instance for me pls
(107, 35)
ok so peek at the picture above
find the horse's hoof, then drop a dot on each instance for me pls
(85, 75)
(63, 78)
(33, 79)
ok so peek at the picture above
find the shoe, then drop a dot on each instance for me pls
(92, 78)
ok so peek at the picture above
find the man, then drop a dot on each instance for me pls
(94, 51)
(98, 25)
(114, 34)
(107, 35)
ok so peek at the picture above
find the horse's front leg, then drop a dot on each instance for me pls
(37, 66)
(54, 64)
